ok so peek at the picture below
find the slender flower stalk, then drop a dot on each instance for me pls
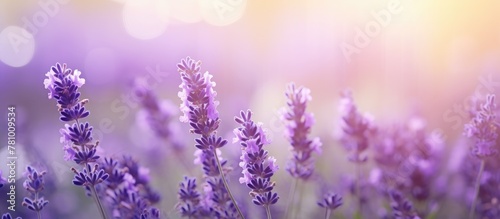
(483, 129)
(330, 202)
(200, 111)
(356, 129)
(258, 166)
(298, 125)
(63, 83)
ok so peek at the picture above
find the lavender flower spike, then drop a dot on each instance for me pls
(258, 166)
(483, 129)
(200, 111)
(355, 127)
(189, 197)
(298, 125)
(63, 83)
(34, 184)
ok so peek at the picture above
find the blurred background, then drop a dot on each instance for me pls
(400, 58)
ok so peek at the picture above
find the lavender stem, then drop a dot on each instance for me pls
(98, 202)
(476, 190)
(225, 185)
(268, 212)
(328, 212)
(291, 195)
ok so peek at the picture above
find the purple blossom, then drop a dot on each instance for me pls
(402, 208)
(127, 190)
(407, 159)
(356, 128)
(200, 111)
(258, 166)
(189, 197)
(2, 180)
(158, 116)
(34, 184)
(331, 201)
(483, 129)
(298, 125)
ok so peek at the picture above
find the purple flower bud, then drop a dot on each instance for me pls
(34, 184)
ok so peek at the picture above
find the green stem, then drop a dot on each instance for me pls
(358, 188)
(299, 204)
(98, 202)
(476, 190)
(327, 213)
(268, 212)
(225, 184)
(291, 194)
(39, 215)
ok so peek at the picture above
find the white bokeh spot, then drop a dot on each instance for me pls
(17, 46)
(145, 19)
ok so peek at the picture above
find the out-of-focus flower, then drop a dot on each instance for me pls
(356, 128)
(258, 166)
(402, 208)
(483, 129)
(298, 125)
(34, 184)
(331, 201)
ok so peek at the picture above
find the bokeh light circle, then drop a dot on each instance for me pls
(222, 12)
(145, 19)
(17, 46)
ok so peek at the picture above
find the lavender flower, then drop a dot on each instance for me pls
(330, 202)
(356, 128)
(35, 185)
(8, 216)
(298, 125)
(258, 166)
(483, 129)
(402, 208)
(189, 197)
(63, 84)
(200, 111)
(127, 190)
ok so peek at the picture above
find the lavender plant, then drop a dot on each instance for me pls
(330, 202)
(189, 199)
(34, 184)
(407, 159)
(158, 116)
(483, 130)
(63, 84)
(127, 190)
(402, 208)
(356, 131)
(298, 125)
(200, 111)
(258, 166)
